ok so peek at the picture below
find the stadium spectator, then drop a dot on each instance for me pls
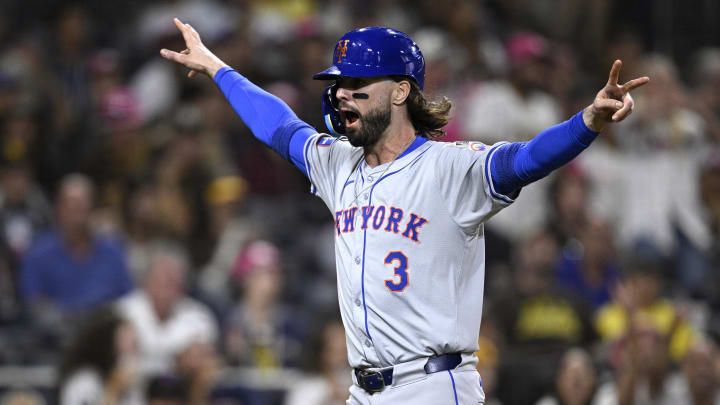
(642, 371)
(587, 261)
(327, 373)
(587, 265)
(72, 42)
(262, 332)
(638, 304)
(74, 144)
(70, 268)
(537, 297)
(24, 210)
(24, 214)
(167, 321)
(659, 148)
(22, 129)
(191, 381)
(706, 80)
(697, 381)
(575, 382)
(569, 203)
(198, 366)
(101, 364)
(515, 109)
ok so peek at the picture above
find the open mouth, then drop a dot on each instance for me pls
(350, 117)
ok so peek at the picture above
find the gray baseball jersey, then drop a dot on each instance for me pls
(409, 245)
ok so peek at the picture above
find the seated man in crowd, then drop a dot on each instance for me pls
(167, 321)
(70, 268)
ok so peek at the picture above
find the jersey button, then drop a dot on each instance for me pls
(367, 343)
(370, 179)
(357, 260)
(357, 301)
(366, 196)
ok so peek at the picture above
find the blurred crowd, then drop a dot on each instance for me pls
(153, 252)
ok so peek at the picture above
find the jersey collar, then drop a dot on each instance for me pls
(418, 142)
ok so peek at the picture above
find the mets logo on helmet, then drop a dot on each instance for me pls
(341, 50)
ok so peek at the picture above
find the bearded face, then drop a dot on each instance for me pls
(364, 130)
(365, 108)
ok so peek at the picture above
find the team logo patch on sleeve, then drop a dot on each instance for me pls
(476, 146)
(326, 141)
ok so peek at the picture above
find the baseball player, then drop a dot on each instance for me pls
(409, 211)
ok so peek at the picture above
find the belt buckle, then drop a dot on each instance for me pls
(369, 373)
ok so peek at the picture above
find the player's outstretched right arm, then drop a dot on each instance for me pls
(519, 164)
(268, 117)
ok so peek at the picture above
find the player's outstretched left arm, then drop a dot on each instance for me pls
(613, 102)
(516, 165)
(269, 118)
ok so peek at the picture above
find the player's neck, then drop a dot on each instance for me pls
(393, 142)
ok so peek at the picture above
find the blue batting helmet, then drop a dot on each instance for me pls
(370, 52)
(376, 51)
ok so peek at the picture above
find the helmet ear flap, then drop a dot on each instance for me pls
(331, 112)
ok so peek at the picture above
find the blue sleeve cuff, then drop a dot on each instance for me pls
(504, 178)
(220, 73)
(584, 135)
(283, 135)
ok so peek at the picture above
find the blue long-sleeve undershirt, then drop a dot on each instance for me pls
(518, 164)
(514, 165)
(268, 117)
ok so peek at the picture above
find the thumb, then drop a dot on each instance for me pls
(173, 56)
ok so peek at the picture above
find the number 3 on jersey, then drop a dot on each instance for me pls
(400, 271)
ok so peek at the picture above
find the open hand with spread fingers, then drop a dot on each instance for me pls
(613, 102)
(195, 56)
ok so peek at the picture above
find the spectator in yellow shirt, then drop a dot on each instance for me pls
(638, 304)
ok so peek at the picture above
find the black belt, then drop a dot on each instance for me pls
(374, 381)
